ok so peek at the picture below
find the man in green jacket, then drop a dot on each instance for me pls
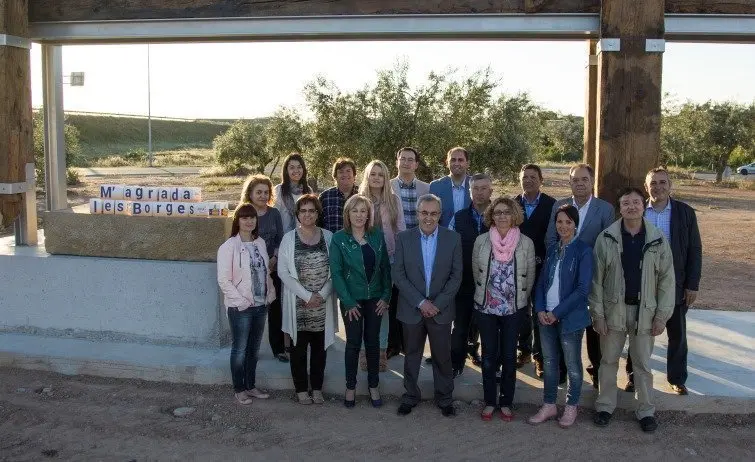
(633, 289)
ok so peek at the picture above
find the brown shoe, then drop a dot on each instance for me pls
(383, 361)
(522, 359)
(679, 389)
(539, 369)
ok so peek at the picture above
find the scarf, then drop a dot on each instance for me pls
(504, 247)
(288, 200)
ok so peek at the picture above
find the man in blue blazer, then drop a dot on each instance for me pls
(595, 215)
(453, 190)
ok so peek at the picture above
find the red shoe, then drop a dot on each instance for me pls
(487, 416)
(506, 414)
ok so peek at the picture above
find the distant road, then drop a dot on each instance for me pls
(137, 171)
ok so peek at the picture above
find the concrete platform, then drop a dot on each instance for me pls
(721, 371)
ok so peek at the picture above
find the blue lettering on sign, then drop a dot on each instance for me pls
(107, 206)
(187, 195)
(136, 208)
(150, 193)
(163, 194)
(174, 194)
(147, 208)
(106, 191)
(139, 192)
(120, 207)
(181, 209)
(191, 210)
(169, 209)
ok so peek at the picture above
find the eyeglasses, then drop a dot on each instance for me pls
(424, 214)
(499, 213)
(310, 211)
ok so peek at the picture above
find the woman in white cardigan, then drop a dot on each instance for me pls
(308, 301)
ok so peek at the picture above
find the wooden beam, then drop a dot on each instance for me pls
(15, 106)
(629, 95)
(97, 10)
(591, 96)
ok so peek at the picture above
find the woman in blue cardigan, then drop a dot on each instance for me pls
(561, 305)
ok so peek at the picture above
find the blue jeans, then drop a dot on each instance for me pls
(366, 328)
(499, 336)
(247, 327)
(571, 345)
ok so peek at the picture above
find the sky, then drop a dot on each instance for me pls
(246, 80)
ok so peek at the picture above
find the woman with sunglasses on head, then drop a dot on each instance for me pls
(310, 315)
(244, 279)
(503, 264)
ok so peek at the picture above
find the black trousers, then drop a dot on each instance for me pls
(275, 319)
(315, 342)
(529, 329)
(593, 351)
(676, 356)
(395, 330)
(465, 334)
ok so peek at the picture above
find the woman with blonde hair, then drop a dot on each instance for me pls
(361, 275)
(388, 215)
(503, 264)
(258, 191)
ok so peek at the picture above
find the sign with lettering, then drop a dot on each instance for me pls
(147, 201)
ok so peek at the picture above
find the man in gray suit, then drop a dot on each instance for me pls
(595, 215)
(427, 271)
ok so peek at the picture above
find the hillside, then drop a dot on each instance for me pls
(106, 135)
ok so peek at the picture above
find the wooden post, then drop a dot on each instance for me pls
(591, 95)
(15, 104)
(629, 94)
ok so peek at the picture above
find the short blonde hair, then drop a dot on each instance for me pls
(517, 215)
(352, 202)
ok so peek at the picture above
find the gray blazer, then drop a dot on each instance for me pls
(409, 275)
(600, 216)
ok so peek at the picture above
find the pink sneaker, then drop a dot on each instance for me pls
(546, 412)
(568, 417)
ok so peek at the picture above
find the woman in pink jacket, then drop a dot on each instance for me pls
(244, 279)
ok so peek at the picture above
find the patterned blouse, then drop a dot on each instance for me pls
(259, 274)
(312, 267)
(500, 296)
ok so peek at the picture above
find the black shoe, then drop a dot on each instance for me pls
(448, 411)
(404, 409)
(458, 372)
(473, 354)
(629, 387)
(648, 424)
(602, 418)
(282, 357)
(522, 359)
(391, 352)
(429, 360)
(595, 381)
(679, 389)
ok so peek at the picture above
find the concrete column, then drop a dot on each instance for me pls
(55, 145)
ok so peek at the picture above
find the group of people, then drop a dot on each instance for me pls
(402, 261)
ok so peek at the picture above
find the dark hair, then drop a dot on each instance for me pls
(534, 167)
(629, 190)
(570, 211)
(251, 182)
(308, 199)
(460, 149)
(410, 149)
(286, 183)
(342, 162)
(575, 167)
(244, 210)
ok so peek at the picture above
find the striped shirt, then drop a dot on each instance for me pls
(661, 220)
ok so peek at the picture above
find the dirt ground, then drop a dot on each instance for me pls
(88, 418)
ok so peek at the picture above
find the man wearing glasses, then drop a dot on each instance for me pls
(427, 271)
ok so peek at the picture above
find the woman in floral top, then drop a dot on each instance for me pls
(503, 263)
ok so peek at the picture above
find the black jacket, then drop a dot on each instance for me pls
(686, 248)
(466, 226)
(536, 225)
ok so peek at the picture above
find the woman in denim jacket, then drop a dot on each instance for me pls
(561, 305)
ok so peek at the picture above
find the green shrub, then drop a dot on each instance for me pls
(71, 136)
(244, 143)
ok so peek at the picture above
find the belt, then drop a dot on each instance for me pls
(631, 300)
